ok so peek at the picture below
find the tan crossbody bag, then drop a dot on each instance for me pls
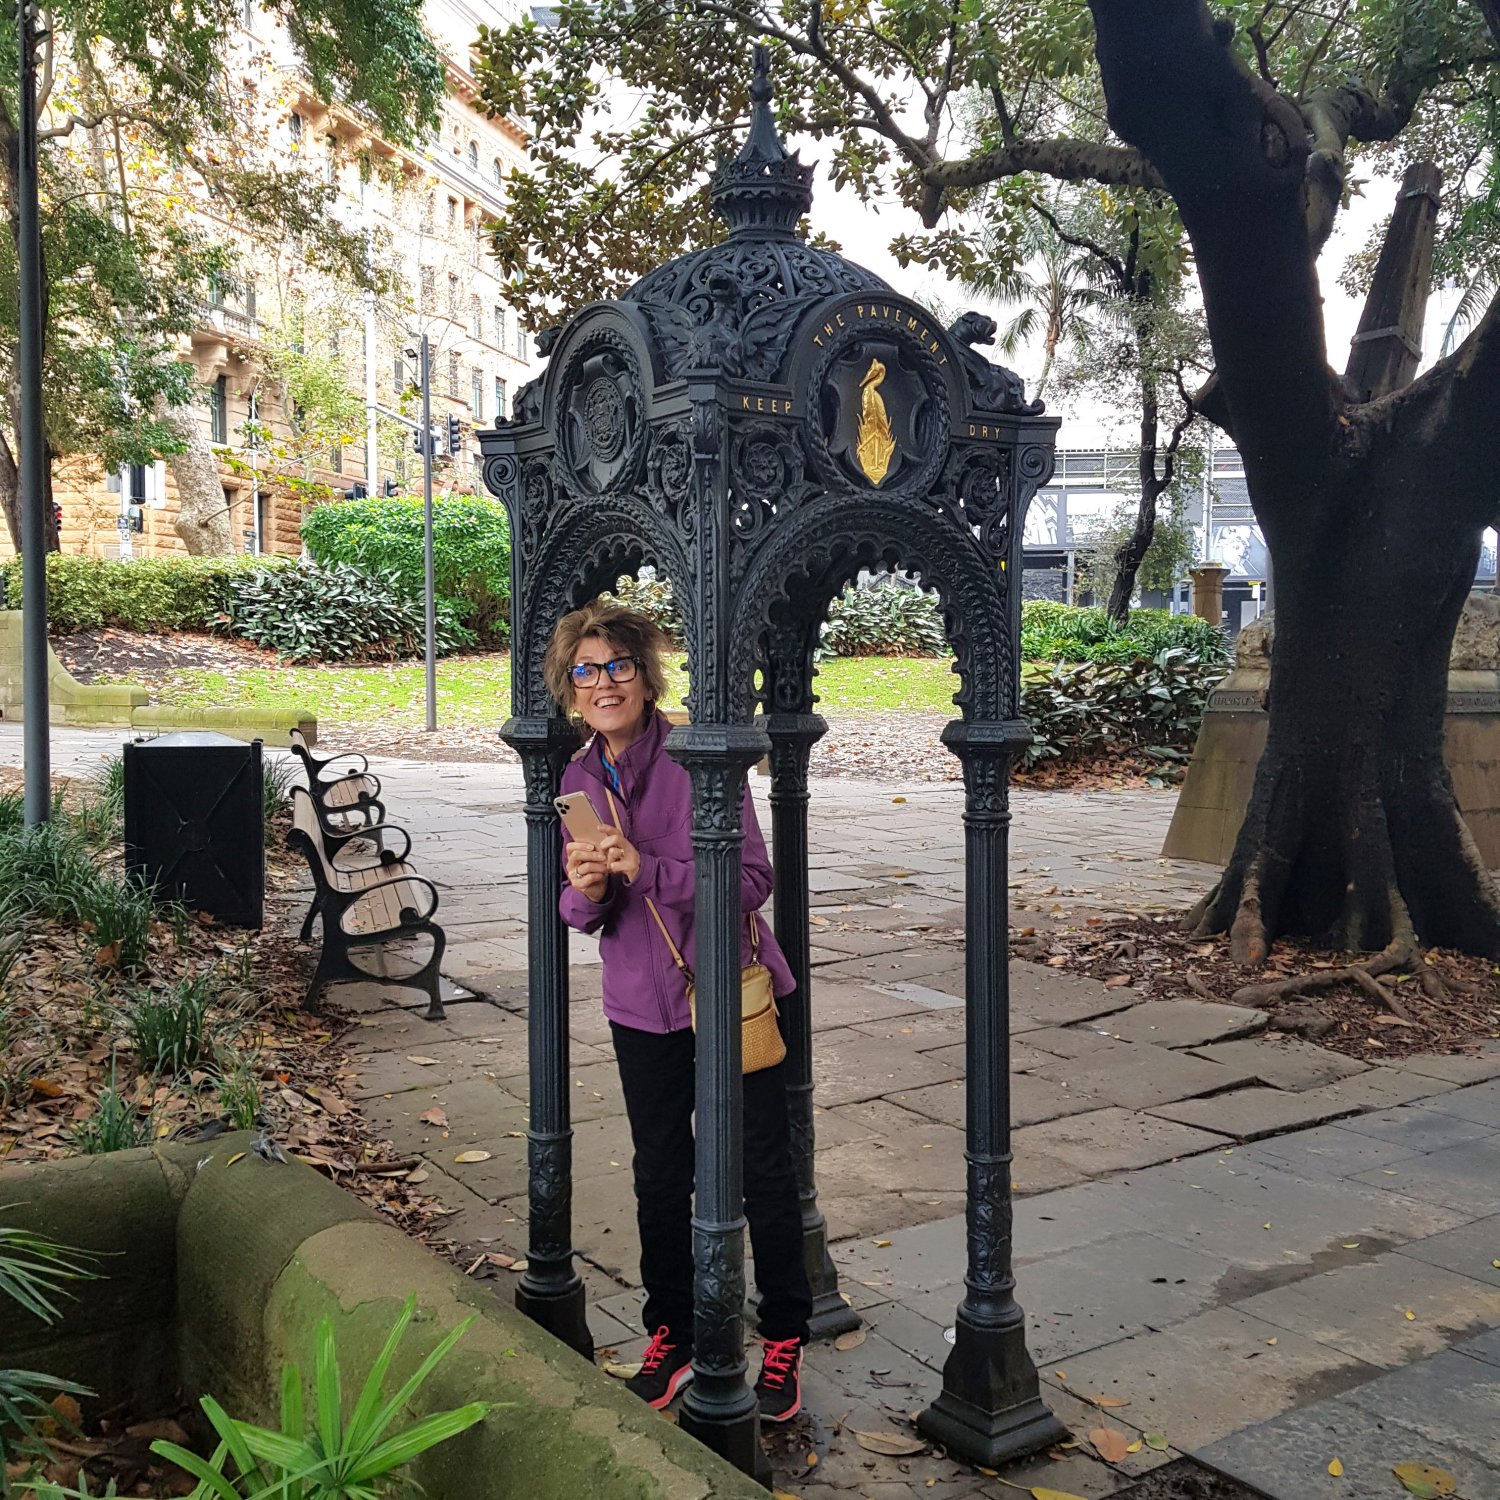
(761, 1044)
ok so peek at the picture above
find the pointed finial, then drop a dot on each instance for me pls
(765, 189)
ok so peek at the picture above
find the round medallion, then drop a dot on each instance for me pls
(604, 418)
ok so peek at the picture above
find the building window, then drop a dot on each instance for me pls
(521, 342)
(452, 215)
(250, 298)
(499, 326)
(294, 125)
(137, 493)
(247, 15)
(452, 295)
(473, 156)
(218, 411)
(429, 288)
(398, 376)
(476, 395)
(429, 213)
(453, 376)
(336, 460)
(499, 399)
(331, 166)
(499, 170)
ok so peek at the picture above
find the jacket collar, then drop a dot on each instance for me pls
(634, 761)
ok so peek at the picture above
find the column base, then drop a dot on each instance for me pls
(990, 1410)
(563, 1313)
(831, 1315)
(735, 1438)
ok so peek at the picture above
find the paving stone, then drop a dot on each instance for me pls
(907, 1260)
(913, 1334)
(1442, 1398)
(1024, 1058)
(1486, 1347)
(477, 1109)
(1211, 1375)
(1112, 1140)
(1480, 1103)
(1087, 1039)
(837, 1003)
(849, 1065)
(1464, 1177)
(1471, 1250)
(1334, 1150)
(919, 996)
(1284, 1063)
(1056, 998)
(887, 1182)
(921, 1031)
(593, 1093)
(1287, 1458)
(502, 1176)
(1469, 1068)
(1361, 1310)
(1185, 1023)
(877, 1370)
(1274, 1227)
(1248, 1114)
(888, 968)
(855, 941)
(1141, 1076)
(1418, 1128)
(392, 1071)
(1381, 1088)
(1098, 1294)
(1032, 1100)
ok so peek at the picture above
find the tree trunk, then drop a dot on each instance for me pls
(1131, 553)
(1353, 836)
(202, 511)
(10, 493)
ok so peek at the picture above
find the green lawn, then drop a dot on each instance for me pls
(475, 690)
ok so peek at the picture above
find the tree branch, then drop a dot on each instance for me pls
(1082, 242)
(1062, 157)
(1232, 152)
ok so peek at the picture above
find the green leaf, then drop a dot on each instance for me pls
(402, 1397)
(362, 1430)
(428, 1433)
(211, 1481)
(330, 1394)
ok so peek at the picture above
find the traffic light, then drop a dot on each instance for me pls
(356, 492)
(389, 487)
(416, 440)
(455, 437)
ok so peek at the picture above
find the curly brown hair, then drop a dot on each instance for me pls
(625, 630)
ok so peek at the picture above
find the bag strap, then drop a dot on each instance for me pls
(677, 957)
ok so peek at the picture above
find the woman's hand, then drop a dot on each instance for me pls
(621, 857)
(588, 872)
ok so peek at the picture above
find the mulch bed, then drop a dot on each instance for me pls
(1155, 958)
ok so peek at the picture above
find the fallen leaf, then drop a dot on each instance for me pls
(164, 1428)
(1108, 1403)
(418, 1174)
(1271, 1342)
(1156, 1441)
(1135, 1447)
(622, 1372)
(69, 1413)
(850, 1340)
(505, 1262)
(1424, 1481)
(1336, 1468)
(882, 1244)
(895, 1444)
(1038, 1492)
(812, 1460)
(46, 1088)
(423, 1062)
(433, 1116)
(471, 1156)
(518, 1266)
(238, 1156)
(108, 956)
(1411, 1317)
(1352, 1245)
(1110, 1443)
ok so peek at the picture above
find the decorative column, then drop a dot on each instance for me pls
(792, 738)
(550, 1290)
(990, 1408)
(720, 1409)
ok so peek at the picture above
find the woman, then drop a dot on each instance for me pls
(604, 663)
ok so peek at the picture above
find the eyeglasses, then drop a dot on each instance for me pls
(586, 673)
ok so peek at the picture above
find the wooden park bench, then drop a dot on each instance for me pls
(350, 798)
(364, 905)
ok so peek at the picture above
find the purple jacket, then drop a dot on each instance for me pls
(643, 987)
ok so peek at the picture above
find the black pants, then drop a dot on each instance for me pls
(656, 1074)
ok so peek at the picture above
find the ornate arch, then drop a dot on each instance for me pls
(584, 553)
(825, 545)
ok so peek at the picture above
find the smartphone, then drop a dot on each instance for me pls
(581, 818)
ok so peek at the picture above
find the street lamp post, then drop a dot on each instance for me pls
(36, 743)
(428, 581)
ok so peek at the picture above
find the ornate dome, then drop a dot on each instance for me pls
(733, 306)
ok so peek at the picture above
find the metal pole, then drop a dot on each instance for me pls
(429, 596)
(36, 742)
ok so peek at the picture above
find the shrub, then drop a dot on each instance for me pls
(1151, 704)
(116, 1124)
(330, 613)
(470, 551)
(885, 619)
(117, 914)
(1067, 632)
(148, 593)
(168, 1029)
(46, 871)
(651, 597)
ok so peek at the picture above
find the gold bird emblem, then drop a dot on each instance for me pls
(875, 445)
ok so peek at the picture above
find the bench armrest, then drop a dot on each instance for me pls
(410, 914)
(376, 832)
(324, 774)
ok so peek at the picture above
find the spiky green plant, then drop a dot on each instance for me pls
(322, 1458)
(117, 1124)
(169, 1028)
